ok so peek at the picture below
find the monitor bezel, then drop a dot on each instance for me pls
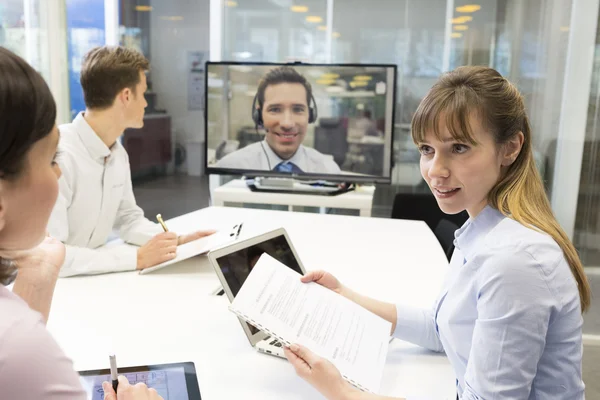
(250, 174)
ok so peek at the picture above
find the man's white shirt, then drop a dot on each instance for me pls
(260, 156)
(95, 197)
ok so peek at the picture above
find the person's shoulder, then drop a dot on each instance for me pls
(68, 134)
(524, 257)
(316, 157)
(231, 159)
(70, 145)
(313, 153)
(14, 309)
(28, 350)
(511, 236)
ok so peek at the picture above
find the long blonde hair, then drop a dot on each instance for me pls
(519, 194)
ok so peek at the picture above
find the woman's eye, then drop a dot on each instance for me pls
(55, 158)
(424, 149)
(460, 148)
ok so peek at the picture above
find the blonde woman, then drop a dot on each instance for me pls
(509, 316)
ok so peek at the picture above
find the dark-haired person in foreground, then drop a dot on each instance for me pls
(32, 366)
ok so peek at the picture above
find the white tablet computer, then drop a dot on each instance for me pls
(233, 263)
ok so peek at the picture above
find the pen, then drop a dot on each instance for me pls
(160, 220)
(238, 231)
(113, 372)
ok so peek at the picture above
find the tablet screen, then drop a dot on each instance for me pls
(236, 266)
(171, 381)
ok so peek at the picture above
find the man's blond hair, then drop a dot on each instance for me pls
(107, 70)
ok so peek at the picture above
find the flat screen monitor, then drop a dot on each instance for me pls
(307, 121)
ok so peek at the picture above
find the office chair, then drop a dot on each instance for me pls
(331, 138)
(424, 207)
(226, 147)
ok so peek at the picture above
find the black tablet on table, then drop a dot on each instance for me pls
(176, 381)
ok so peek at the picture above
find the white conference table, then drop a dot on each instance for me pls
(171, 315)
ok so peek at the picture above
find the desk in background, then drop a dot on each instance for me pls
(236, 191)
(149, 148)
(171, 315)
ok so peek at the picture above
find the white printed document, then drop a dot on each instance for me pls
(354, 339)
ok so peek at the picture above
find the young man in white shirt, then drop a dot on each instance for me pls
(96, 194)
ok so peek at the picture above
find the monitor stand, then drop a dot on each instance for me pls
(296, 186)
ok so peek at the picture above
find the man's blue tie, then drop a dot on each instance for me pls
(287, 167)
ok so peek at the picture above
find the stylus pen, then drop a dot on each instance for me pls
(162, 223)
(239, 230)
(113, 372)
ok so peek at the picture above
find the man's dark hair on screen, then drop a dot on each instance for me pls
(279, 75)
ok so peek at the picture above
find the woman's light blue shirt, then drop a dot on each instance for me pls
(508, 316)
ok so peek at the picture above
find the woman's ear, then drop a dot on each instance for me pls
(512, 148)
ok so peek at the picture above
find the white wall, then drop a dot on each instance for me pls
(170, 42)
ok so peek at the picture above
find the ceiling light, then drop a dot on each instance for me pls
(358, 84)
(456, 35)
(143, 8)
(325, 81)
(243, 54)
(231, 3)
(299, 9)
(564, 29)
(314, 19)
(461, 27)
(322, 27)
(336, 34)
(469, 8)
(173, 18)
(363, 77)
(462, 20)
(330, 75)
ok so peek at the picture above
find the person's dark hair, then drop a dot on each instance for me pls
(27, 114)
(282, 75)
(106, 71)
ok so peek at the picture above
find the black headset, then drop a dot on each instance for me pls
(257, 112)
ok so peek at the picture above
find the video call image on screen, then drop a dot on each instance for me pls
(169, 383)
(237, 266)
(331, 120)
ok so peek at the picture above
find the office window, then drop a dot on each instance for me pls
(166, 155)
(264, 30)
(23, 31)
(525, 41)
(587, 219)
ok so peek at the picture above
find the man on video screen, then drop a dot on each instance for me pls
(283, 107)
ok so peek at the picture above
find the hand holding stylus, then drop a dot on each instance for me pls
(127, 392)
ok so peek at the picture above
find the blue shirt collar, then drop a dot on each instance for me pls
(470, 236)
